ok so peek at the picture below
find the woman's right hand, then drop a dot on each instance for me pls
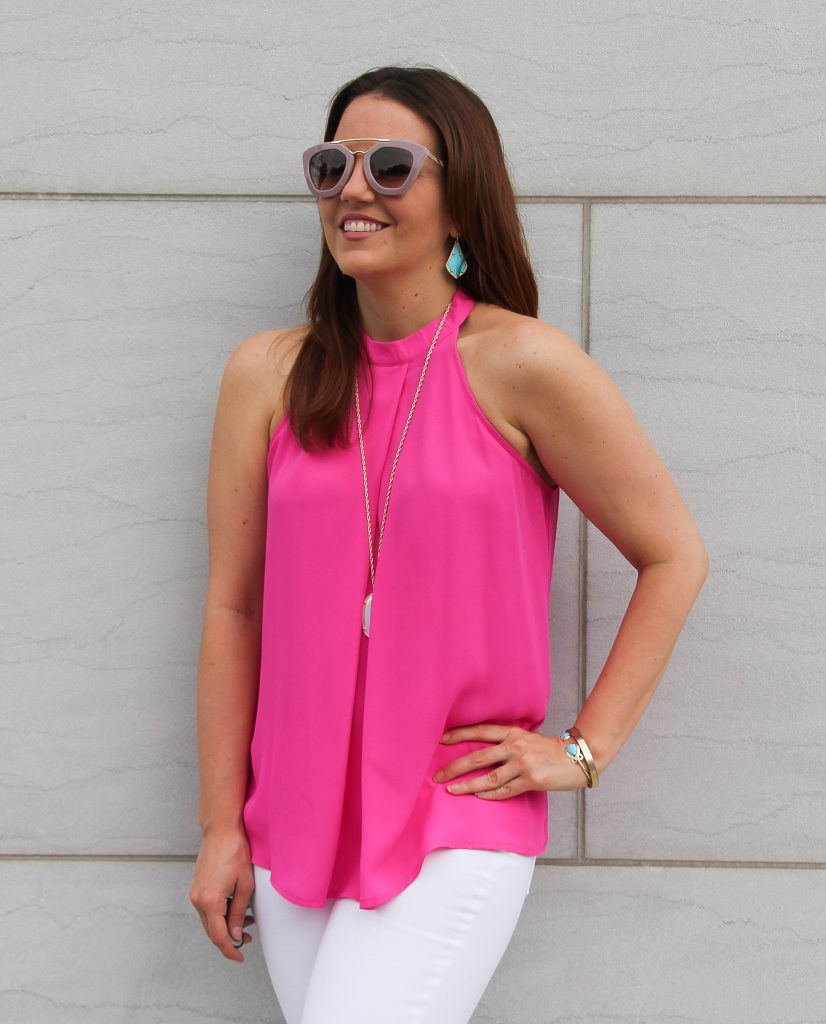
(224, 868)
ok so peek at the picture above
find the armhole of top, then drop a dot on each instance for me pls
(491, 429)
(279, 430)
(276, 434)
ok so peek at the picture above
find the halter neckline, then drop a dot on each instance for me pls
(416, 344)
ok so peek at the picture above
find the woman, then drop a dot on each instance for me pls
(425, 399)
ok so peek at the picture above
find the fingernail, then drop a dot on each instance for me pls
(439, 776)
(236, 932)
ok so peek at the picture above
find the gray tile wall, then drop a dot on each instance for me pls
(669, 160)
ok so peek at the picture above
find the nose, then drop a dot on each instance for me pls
(357, 186)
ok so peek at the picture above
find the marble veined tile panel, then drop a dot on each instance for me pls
(712, 320)
(598, 99)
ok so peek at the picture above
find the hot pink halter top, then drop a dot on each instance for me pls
(341, 800)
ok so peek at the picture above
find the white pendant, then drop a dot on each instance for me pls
(365, 615)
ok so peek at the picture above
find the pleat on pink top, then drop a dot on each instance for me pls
(341, 800)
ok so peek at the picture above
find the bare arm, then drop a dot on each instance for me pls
(231, 638)
(592, 445)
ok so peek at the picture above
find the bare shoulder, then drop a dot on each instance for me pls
(507, 337)
(549, 372)
(513, 338)
(589, 438)
(561, 409)
(249, 396)
(532, 358)
(261, 363)
(489, 319)
(489, 345)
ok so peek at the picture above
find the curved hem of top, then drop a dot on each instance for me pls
(372, 902)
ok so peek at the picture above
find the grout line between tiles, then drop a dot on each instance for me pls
(596, 862)
(582, 638)
(288, 197)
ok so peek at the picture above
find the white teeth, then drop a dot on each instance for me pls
(361, 225)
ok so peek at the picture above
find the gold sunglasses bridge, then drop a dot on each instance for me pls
(363, 151)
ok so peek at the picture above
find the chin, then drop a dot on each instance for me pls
(362, 269)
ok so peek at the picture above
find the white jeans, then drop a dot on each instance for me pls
(424, 957)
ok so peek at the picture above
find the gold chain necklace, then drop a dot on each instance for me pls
(368, 601)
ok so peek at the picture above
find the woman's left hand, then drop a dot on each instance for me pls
(520, 760)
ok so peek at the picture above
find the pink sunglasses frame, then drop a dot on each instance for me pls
(419, 154)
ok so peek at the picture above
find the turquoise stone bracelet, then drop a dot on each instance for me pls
(574, 752)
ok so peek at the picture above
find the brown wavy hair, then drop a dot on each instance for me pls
(481, 202)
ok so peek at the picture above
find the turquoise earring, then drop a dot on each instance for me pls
(456, 263)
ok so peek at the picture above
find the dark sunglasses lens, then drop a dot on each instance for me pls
(326, 168)
(391, 166)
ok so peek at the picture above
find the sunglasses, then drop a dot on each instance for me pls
(390, 166)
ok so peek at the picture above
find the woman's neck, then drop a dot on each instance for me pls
(392, 312)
